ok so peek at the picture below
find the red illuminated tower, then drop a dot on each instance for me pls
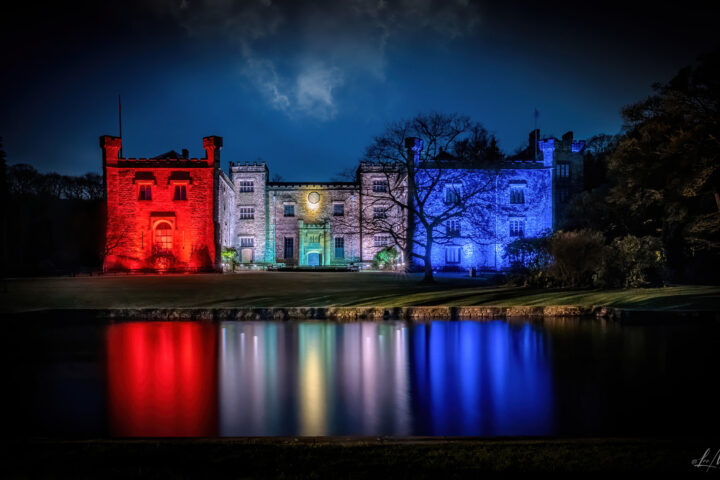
(160, 211)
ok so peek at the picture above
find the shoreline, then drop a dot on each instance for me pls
(375, 314)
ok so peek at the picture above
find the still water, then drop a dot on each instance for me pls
(496, 378)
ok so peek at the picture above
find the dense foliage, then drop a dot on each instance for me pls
(386, 259)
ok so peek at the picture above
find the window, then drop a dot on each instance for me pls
(452, 255)
(339, 247)
(380, 212)
(247, 241)
(289, 210)
(338, 209)
(246, 213)
(162, 240)
(380, 186)
(452, 193)
(180, 192)
(289, 245)
(145, 192)
(517, 195)
(453, 228)
(517, 228)
(314, 238)
(246, 186)
(563, 170)
(381, 240)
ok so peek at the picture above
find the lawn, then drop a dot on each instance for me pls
(295, 289)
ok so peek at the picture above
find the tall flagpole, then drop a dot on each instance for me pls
(120, 123)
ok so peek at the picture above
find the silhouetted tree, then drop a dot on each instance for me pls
(419, 159)
(666, 166)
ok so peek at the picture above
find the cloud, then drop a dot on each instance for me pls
(314, 90)
(298, 55)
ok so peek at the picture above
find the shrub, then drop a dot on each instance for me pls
(576, 257)
(229, 257)
(632, 262)
(385, 259)
(529, 259)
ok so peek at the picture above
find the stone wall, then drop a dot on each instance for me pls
(393, 226)
(255, 227)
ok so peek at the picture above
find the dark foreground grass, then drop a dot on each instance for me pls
(348, 458)
(300, 289)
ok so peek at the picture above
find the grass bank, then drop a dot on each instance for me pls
(290, 289)
(348, 458)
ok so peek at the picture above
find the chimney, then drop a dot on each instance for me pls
(533, 139)
(567, 138)
(213, 145)
(414, 145)
(185, 153)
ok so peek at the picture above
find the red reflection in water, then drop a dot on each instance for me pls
(162, 379)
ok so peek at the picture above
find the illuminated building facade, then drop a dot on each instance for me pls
(174, 212)
(160, 211)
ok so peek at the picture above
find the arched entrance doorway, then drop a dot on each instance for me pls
(162, 237)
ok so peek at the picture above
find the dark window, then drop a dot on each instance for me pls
(452, 255)
(145, 192)
(517, 195)
(289, 210)
(246, 213)
(339, 247)
(380, 186)
(180, 192)
(380, 212)
(517, 228)
(247, 241)
(338, 209)
(381, 240)
(246, 186)
(452, 194)
(289, 244)
(453, 228)
(563, 170)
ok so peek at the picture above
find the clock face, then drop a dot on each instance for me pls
(313, 197)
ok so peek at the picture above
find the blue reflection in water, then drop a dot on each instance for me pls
(456, 378)
(481, 379)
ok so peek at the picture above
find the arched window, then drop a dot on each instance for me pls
(163, 237)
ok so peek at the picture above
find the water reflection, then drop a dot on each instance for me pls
(313, 379)
(162, 379)
(390, 378)
(485, 379)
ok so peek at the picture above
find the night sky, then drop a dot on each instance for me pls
(306, 85)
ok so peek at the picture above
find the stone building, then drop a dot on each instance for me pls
(161, 211)
(567, 160)
(174, 212)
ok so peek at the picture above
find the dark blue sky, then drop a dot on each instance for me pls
(306, 85)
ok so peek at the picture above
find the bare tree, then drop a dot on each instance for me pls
(425, 164)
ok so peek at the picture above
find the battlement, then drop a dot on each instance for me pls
(111, 147)
(248, 167)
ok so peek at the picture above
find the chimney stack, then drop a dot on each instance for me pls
(213, 145)
(185, 153)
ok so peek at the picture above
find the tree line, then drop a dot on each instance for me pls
(51, 223)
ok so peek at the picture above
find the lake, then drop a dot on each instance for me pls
(557, 377)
